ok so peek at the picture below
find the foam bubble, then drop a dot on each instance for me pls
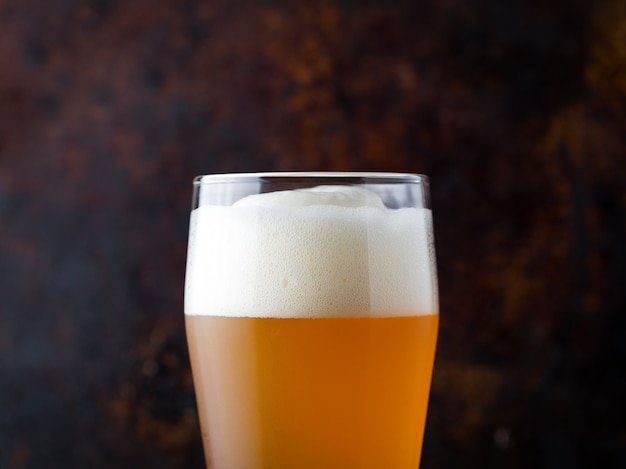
(321, 252)
(341, 196)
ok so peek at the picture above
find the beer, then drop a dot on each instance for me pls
(321, 393)
(312, 320)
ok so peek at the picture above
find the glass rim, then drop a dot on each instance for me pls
(347, 176)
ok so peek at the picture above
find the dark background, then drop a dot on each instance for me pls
(516, 110)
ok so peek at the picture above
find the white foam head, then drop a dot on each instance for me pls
(328, 251)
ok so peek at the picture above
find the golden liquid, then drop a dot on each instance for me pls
(323, 393)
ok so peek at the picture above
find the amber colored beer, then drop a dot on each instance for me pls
(319, 393)
(311, 317)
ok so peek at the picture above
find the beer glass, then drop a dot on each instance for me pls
(311, 314)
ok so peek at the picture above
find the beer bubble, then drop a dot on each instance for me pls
(328, 251)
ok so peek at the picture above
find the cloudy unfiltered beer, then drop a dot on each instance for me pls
(313, 393)
(311, 320)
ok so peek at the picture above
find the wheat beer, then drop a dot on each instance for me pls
(311, 319)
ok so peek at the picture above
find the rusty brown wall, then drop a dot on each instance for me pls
(517, 111)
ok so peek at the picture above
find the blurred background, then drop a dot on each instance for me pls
(516, 109)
